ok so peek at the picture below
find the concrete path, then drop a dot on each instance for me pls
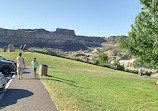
(27, 94)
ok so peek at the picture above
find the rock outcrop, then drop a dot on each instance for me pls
(63, 39)
(91, 41)
(115, 39)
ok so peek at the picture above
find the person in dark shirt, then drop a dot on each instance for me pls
(24, 47)
(21, 47)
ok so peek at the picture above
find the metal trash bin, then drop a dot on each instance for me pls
(43, 70)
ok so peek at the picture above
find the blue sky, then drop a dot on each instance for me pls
(87, 17)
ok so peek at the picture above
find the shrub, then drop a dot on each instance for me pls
(96, 62)
(135, 71)
(89, 50)
(120, 67)
(127, 70)
(102, 59)
(53, 53)
(148, 73)
(107, 65)
(132, 71)
(78, 59)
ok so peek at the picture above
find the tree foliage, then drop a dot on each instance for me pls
(143, 37)
(102, 58)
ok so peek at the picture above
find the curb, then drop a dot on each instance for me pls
(6, 87)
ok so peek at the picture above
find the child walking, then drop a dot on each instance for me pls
(34, 64)
(140, 72)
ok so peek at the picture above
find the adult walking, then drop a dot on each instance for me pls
(21, 47)
(25, 48)
(34, 64)
(20, 63)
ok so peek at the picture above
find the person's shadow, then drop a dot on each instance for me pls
(26, 72)
(12, 95)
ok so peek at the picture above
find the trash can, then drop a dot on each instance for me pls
(43, 70)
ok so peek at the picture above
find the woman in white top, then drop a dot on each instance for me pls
(20, 65)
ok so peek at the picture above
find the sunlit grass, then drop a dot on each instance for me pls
(85, 92)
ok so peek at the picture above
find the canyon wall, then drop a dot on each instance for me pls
(63, 39)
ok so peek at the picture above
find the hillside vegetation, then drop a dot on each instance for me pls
(61, 63)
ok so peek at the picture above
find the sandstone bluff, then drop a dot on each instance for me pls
(63, 39)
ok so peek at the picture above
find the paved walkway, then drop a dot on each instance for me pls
(27, 94)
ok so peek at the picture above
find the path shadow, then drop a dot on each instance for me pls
(60, 78)
(26, 68)
(12, 95)
(26, 72)
(62, 81)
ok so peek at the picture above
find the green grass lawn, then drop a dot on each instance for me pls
(85, 92)
(61, 63)
(73, 91)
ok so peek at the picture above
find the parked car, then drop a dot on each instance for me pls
(2, 58)
(2, 82)
(7, 66)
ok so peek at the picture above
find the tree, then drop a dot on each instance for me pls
(154, 4)
(143, 37)
(102, 58)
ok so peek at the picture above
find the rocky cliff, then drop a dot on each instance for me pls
(63, 39)
(115, 39)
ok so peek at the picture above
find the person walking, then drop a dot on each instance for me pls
(34, 64)
(20, 63)
(21, 47)
(24, 48)
(140, 72)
